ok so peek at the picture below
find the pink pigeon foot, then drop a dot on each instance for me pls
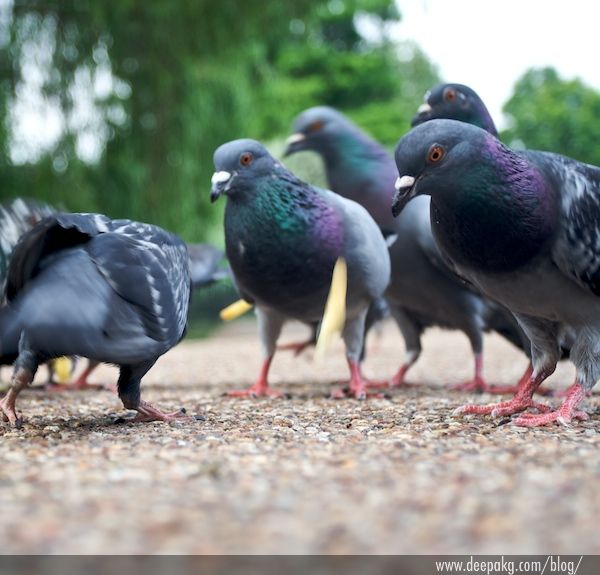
(261, 388)
(357, 387)
(147, 412)
(563, 415)
(522, 400)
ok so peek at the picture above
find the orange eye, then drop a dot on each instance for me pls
(435, 154)
(316, 126)
(449, 95)
(246, 159)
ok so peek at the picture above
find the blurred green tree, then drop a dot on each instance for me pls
(549, 113)
(117, 106)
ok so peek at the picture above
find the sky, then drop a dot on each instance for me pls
(489, 44)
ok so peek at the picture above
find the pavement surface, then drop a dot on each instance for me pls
(305, 474)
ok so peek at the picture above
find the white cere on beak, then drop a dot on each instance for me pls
(404, 182)
(294, 138)
(220, 177)
(424, 108)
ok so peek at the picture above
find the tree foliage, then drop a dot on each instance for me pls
(143, 92)
(549, 113)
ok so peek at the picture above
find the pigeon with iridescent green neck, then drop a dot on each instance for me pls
(523, 227)
(283, 238)
(423, 291)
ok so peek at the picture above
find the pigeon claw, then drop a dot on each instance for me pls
(540, 419)
(564, 415)
(504, 408)
(147, 412)
(257, 390)
(9, 413)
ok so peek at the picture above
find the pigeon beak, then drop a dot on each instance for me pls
(423, 114)
(294, 143)
(405, 191)
(220, 183)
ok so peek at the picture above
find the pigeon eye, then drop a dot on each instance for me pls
(435, 154)
(316, 126)
(449, 95)
(246, 159)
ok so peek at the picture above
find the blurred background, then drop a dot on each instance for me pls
(116, 106)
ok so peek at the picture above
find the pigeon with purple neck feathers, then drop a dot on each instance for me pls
(114, 291)
(523, 227)
(459, 102)
(283, 238)
(423, 290)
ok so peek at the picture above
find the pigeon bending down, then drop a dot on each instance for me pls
(17, 216)
(423, 290)
(115, 291)
(283, 238)
(523, 227)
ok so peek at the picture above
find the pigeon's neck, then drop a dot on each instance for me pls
(359, 169)
(283, 241)
(481, 118)
(497, 217)
(283, 215)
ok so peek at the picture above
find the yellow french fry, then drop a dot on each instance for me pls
(334, 316)
(62, 367)
(235, 310)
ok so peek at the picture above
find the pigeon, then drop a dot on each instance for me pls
(424, 291)
(205, 264)
(283, 238)
(523, 228)
(17, 216)
(455, 102)
(459, 102)
(115, 291)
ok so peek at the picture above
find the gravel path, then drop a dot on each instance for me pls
(299, 475)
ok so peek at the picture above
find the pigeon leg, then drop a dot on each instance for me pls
(357, 386)
(397, 379)
(261, 388)
(522, 400)
(129, 392)
(477, 384)
(81, 383)
(269, 328)
(297, 347)
(353, 335)
(22, 377)
(147, 412)
(411, 332)
(563, 415)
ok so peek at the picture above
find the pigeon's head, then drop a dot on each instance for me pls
(432, 156)
(237, 166)
(315, 129)
(454, 102)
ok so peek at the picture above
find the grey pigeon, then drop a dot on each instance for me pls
(522, 227)
(282, 239)
(455, 102)
(17, 216)
(205, 264)
(115, 291)
(424, 291)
